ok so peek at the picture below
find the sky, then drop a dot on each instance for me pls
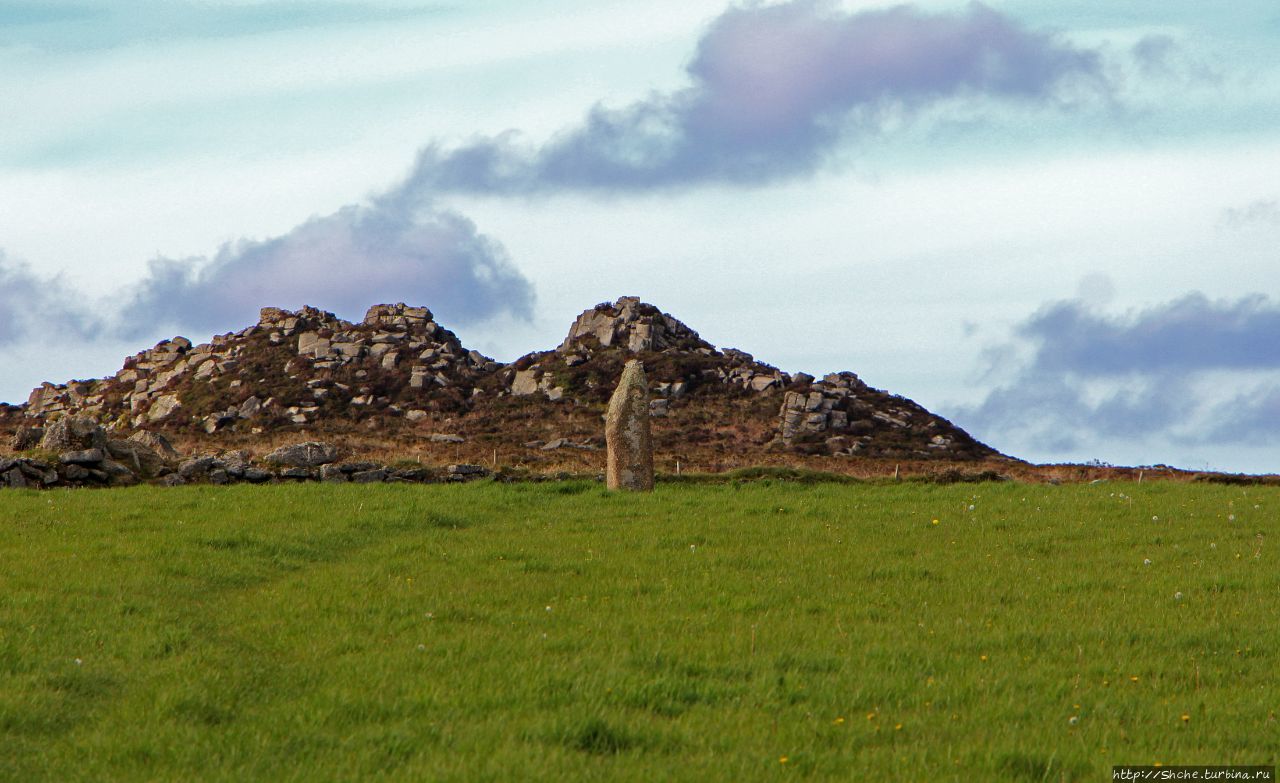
(1055, 222)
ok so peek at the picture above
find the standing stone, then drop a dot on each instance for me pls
(626, 433)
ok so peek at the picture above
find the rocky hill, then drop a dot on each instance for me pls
(400, 384)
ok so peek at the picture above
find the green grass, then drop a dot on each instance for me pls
(556, 632)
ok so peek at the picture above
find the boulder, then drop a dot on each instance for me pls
(197, 467)
(256, 476)
(311, 454)
(76, 473)
(26, 438)
(525, 382)
(333, 473)
(374, 476)
(164, 407)
(235, 463)
(249, 408)
(84, 457)
(156, 442)
(73, 433)
(138, 457)
(118, 474)
(629, 459)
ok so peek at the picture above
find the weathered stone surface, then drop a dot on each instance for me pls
(118, 474)
(137, 457)
(249, 408)
(73, 433)
(26, 438)
(374, 476)
(76, 473)
(164, 407)
(525, 382)
(332, 473)
(156, 442)
(629, 460)
(84, 457)
(235, 463)
(630, 323)
(197, 467)
(561, 443)
(256, 476)
(465, 472)
(311, 454)
(444, 437)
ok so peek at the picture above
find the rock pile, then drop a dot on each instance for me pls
(80, 452)
(629, 327)
(398, 368)
(847, 417)
(291, 368)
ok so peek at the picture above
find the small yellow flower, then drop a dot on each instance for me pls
(838, 721)
(783, 760)
(935, 521)
(1185, 717)
(871, 716)
(1133, 678)
(982, 657)
(897, 727)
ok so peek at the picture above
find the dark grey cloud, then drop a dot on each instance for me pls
(358, 256)
(1190, 334)
(773, 89)
(1172, 371)
(40, 309)
(1251, 417)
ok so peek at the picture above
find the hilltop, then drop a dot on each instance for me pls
(400, 384)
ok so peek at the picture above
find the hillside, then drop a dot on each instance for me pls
(400, 384)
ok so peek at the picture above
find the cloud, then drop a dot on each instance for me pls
(773, 90)
(103, 24)
(1263, 212)
(1163, 56)
(358, 256)
(1191, 371)
(39, 309)
(1250, 418)
(1189, 334)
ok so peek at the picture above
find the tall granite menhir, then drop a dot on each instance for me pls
(626, 433)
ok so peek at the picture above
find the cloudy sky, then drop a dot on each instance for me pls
(1056, 222)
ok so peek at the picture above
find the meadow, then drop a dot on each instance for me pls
(741, 631)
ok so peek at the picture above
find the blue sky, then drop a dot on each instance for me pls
(1055, 222)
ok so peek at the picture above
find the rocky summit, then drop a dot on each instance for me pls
(399, 384)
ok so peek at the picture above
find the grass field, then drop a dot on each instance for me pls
(763, 631)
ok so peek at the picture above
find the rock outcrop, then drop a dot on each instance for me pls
(398, 374)
(629, 461)
(292, 368)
